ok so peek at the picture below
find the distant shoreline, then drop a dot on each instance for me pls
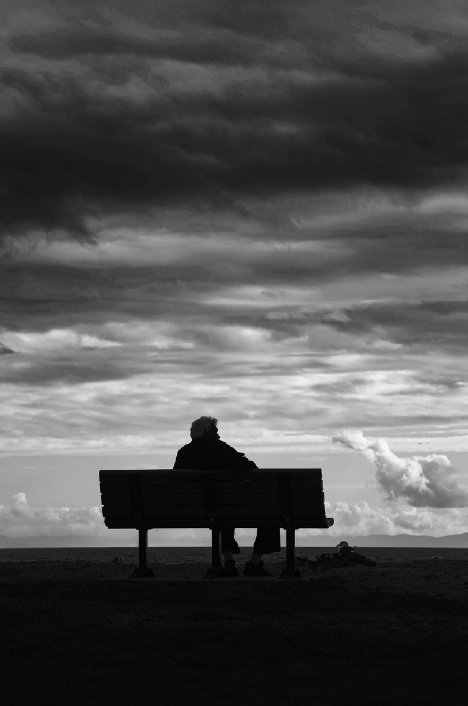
(377, 541)
(196, 555)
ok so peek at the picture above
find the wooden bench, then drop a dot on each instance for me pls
(289, 498)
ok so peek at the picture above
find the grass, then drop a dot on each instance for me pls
(95, 642)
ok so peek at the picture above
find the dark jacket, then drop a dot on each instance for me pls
(212, 455)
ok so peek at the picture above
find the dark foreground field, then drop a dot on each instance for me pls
(386, 635)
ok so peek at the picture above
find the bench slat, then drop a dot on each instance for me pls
(193, 522)
(111, 474)
(116, 479)
(145, 473)
(156, 499)
(240, 513)
(309, 502)
(257, 488)
(192, 488)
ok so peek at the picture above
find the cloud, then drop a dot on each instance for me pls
(291, 289)
(204, 47)
(361, 519)
(423, 481)
(432, 325)
(18, 519)
(232, 192)
(4, 350)
(330, 113)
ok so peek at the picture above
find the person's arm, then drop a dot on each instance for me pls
(235, 460)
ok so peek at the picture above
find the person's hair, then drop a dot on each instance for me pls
(202, 426)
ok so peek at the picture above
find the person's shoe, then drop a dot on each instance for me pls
(256, 569)
(229, 569)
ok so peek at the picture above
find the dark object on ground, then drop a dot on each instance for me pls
(335, 560)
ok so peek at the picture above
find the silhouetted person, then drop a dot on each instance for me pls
(206, 452)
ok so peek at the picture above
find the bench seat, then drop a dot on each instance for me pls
(174, 498)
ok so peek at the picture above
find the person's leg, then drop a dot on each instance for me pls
(267, 541)
(228, 543)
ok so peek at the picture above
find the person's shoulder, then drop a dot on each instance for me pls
(185, 448)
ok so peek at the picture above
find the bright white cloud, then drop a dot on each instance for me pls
(53, 341)
(423, 481)
(399, 518)
(18, 519)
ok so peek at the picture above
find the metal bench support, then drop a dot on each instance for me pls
(142, 572)
(290, 572)
(216, 559)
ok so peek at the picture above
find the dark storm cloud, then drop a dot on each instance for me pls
(417, 327)
(224, 48)
(67, 155)
(42, 296)
(238, 33)
(64, 371)
(417, 383)
(375, 419)
(89, 365)
(431, 324)
(340, 387)
(4, 350)
(70, 150)
(444, 383)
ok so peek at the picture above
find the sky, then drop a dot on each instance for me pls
(252, 210)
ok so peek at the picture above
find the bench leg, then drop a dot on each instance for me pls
(142, 572)
(290, 572)
(216, 561)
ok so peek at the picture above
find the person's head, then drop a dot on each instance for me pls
(204, 428)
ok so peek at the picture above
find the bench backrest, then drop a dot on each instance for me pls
(192, 498)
